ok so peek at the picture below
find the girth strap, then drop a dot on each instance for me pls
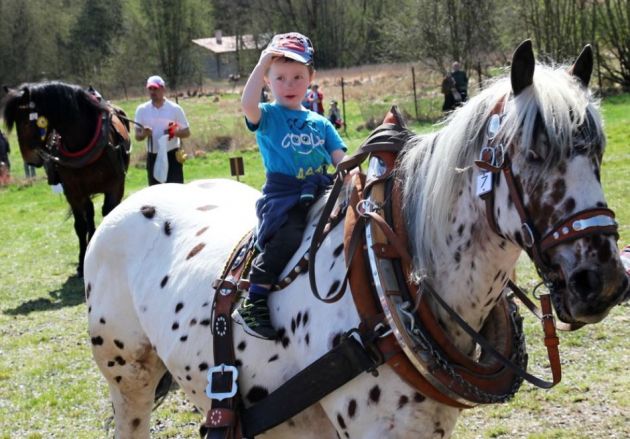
(341, 364)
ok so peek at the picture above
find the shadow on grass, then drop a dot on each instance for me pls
(70, 294)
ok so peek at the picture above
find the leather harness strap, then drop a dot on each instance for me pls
(334, 369)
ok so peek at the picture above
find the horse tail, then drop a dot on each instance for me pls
(9, 107)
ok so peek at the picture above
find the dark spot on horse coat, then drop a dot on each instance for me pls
(88, 289)
(206, 208)
(457, 256)
(281, 337)
(333, 288)
(238, 363)
(135, 423)
(257, 393)
(188, 378)
(305, 317)
(187, 368)
(298, 319)
(307, 338)
(148, 211)
(200, 231)
(167, 228)
(205, 322)
(559, 189)
(241, 346)
(163, 282)
(179, 307)
(120, 360)
(97, 341)
(183, 338)
(196, 249)
(111, 363)
(193, 322)
(337, 251)
(118, 378)
(604, 253)
(460, 229)
(340, 421)
(568, 206)
(293, 326)
(418, 397)
(352, 408)
(375, 394)
(273, 358)
(402, 401)
(102, 320)
(175, 326)
(203, 366)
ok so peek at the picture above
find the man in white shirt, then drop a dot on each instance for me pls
(161, 117)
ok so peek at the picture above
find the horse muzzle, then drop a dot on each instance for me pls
(588, 289)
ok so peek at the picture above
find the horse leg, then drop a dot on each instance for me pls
(112, 199)
(123, 353)
(80, 228)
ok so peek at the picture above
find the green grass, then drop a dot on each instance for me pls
(50, 387)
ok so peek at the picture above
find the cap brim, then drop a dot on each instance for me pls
(295, 56)
(149, 86)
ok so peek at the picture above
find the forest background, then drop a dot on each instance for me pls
(115, 45)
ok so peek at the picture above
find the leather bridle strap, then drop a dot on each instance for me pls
(586, 222)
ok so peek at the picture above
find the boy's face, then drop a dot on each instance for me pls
(288, 82)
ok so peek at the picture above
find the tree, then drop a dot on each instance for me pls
(172, 24)
(614, 20)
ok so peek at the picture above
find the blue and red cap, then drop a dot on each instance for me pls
(294, 46)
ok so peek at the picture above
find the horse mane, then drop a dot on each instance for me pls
(58, 100)
(435, 167)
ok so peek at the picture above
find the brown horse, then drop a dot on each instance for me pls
(82, 141)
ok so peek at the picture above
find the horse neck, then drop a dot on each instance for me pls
(471, 275)
(77, 130)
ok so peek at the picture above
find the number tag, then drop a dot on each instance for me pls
(32, 116)
(484, 183)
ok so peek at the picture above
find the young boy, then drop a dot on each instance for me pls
(296, 146)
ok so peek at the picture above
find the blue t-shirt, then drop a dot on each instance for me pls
(295, 142)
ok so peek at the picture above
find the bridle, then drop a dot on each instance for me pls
(495, 160)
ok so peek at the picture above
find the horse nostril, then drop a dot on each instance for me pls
(586, 283)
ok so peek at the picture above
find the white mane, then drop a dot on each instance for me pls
(437, 166)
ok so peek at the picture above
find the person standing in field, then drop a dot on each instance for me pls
(158, 117)
(297, 146)
(316, 100)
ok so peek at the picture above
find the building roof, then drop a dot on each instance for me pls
(225, 44)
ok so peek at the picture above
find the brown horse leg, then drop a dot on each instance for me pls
(84, 228)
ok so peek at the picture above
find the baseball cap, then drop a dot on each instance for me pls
(155, 81)
(294, 46)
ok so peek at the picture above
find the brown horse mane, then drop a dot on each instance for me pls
(57, 100)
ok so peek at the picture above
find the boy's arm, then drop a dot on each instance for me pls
(253, 87)
(337, 156)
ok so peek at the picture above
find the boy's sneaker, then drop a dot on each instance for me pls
(253, 316)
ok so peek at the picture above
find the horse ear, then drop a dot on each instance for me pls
(583, 66)
(523, 64)
(394, 117)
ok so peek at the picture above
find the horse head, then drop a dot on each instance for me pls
(548, 197)
(37, 110)
(19, 110)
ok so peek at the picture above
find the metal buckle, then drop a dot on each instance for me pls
(528, 235)
(222, 368)
(366, 206)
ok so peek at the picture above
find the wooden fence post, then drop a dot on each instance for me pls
(415, 96)
(343, 104)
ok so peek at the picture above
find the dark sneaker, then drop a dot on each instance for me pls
(253, 316)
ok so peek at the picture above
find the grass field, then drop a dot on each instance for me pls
(50, 387)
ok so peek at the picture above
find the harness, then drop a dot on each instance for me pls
(110, 132)
(398, 325)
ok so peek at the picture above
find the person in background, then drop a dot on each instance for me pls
(158, 117)
(296, 146)
(454, 88)
(316, 100)
(334, 115)
(5, 164)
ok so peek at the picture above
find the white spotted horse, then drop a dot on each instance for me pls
(82, 141)
(151, 265)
